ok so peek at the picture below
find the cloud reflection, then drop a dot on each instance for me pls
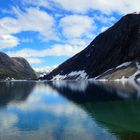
(45, 114)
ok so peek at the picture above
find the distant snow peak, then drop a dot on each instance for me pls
(43, 74)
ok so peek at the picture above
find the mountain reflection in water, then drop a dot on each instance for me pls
(14, 91)
(114, 105)
(69, 110)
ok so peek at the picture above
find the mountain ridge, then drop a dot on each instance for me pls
(117, 45)
(15, 67)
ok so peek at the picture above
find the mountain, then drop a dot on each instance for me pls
(126, 71)
(16, 67)
(117, 45)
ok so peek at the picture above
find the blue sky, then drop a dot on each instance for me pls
(47, 32)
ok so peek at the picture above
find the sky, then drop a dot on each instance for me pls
(48, 32)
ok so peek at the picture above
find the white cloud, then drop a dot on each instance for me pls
(83, 6)
(10, 25)
(77, 29)
(105, 6)
(33, 19)
(8, 41)
(121, 6)
(79, 42)
(56, 50)
(104, 28)
(77, 26)
(38, 3)
(34, 60)
(45, 69)
(104, 19)
(74, 5)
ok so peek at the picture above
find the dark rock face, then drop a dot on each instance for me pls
(17, 68)
(119, 44)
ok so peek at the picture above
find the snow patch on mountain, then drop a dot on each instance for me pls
(76, 75)
(42, 74)
(134, 77)
(128, 71)
(123, 65)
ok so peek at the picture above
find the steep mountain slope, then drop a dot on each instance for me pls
(17, 68)
(125, 71)
(118, 44)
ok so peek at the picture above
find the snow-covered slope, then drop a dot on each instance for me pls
(77, 75)
(128, 71)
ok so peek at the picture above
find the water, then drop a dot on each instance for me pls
(69, 110)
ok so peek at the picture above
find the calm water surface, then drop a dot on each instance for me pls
(69, 110)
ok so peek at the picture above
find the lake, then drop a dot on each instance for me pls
(69, 110)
